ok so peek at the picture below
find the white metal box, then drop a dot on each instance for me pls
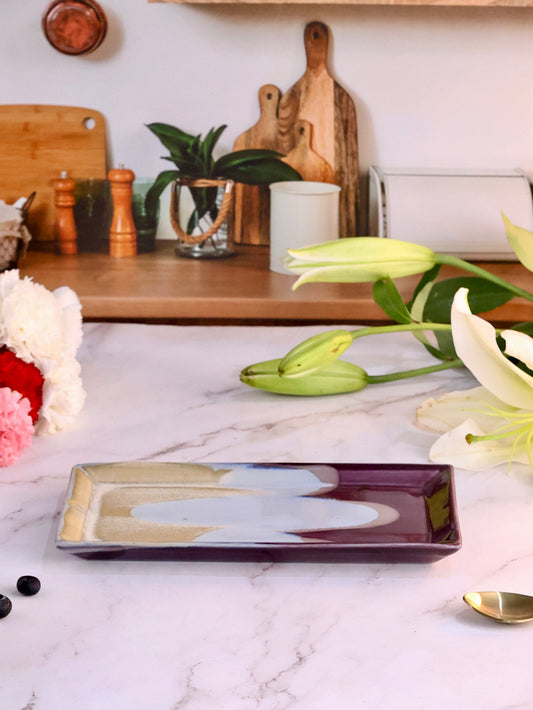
(451, 211)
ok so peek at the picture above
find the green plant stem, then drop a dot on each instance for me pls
(404, 327)
(393, 376)
(451, 260)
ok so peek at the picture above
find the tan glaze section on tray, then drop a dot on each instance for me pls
(103, 495)
(89, 482)
(114, 522)
(161, 287)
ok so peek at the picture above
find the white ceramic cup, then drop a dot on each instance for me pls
(302, 213)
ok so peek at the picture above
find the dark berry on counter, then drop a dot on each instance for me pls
(28, 585)
(5, 606)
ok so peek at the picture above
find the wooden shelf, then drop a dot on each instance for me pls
(419, 3)
(161, 287)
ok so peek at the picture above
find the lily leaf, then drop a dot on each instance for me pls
(482, 296)
(388, 298)
(427, 277)
(446, 347)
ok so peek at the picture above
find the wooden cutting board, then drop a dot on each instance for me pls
(320, 100)
(252, 202)
(37, 143)
(303, 158)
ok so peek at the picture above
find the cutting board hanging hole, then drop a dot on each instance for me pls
(89, 123)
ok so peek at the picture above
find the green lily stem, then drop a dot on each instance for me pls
(393, 376)
(405, 327)
(451, 260)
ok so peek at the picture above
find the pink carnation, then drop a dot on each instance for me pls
(16, 426)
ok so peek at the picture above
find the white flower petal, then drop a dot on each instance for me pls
(475, 343)
(70, 310)
(521, 241)
(63, 396)
(453, 449)
(8, 280)
(450, 410)
(519, 345)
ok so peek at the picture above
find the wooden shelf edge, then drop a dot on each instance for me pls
(159, 286)
(395, 3)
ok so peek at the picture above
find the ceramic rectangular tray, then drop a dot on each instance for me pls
(307, 512)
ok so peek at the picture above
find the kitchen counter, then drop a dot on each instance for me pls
(132, 635)
(163, 288)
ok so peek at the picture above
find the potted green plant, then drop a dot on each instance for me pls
(210, 182)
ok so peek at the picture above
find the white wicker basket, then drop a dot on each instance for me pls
(14, 235)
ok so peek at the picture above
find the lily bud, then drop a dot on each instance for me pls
(359, 260)
(336, 378)
(521, 241)
(314, 353)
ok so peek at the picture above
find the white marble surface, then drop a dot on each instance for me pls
(240, 636)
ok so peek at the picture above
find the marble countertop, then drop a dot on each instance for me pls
(141, 635)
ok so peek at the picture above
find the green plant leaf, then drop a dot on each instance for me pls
(482, 296)
(261, 172)
(209, 144)
(171, 137)
(188, 167)
(160, 183)
(240, 157)
(427, 277)
(388, 298)
(446, 347)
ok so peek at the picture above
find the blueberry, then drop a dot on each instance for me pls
(5, 606)
(28, 585)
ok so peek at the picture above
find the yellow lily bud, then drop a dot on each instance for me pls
(314, 353)
(521, 241)
(359, 260)
(336, 378)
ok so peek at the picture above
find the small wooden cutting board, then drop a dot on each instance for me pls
(37, 143)
(318, 99)
(304, 159)
(252, 202)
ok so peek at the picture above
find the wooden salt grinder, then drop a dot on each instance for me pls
(122, 235)
(65, 225)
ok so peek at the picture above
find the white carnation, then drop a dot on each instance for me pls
(8, 280)
(37, 324)
(70, 309)
(30, 322)
(63, 396)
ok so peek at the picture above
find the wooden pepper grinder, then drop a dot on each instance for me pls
(122, 235)
(65, 224)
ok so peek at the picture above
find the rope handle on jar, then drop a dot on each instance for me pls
(221, 216)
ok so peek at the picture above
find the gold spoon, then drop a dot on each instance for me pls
(505, 607)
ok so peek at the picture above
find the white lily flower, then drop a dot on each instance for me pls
(358, 260)
(491, 424)
(521, 241)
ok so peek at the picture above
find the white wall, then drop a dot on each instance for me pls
(433, 87)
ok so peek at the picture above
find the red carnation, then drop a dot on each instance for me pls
(23, 377)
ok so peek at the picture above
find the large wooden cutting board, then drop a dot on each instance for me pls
(252, 202)
(320, 100)
(37, 143)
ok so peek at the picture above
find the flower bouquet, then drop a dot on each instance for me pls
(40, 384)
(480, 427)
